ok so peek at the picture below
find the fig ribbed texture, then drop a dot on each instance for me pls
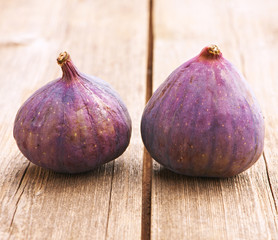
(73, 124)
(204, 119)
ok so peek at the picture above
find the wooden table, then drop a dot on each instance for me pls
(134, 45)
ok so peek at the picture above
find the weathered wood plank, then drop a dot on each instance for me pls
(242, 207)
(107, 39)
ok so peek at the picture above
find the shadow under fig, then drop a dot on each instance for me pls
(51, 181)
(165, 175)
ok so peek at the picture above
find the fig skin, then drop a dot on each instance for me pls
(72, 124)
(204, 120)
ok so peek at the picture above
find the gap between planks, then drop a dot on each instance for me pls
(147, 160)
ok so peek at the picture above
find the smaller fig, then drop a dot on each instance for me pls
(204, 120)
(72, 124)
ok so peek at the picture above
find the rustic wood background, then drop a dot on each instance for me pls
(134, 45)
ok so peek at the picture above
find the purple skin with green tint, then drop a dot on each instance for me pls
(204, 120)
(73, 124)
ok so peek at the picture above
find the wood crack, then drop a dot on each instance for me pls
(109, 203)
(269, 183)
(21, 179)
(147, 160)
(19, 185)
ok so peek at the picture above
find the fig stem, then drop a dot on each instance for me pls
(62, 58)
(210, 52)
(69, 70)
(213, 49)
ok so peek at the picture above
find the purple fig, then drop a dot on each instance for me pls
(72, 124)
(204, 120)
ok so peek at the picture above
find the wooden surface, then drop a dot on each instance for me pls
(242, 207)
(105, 39)
(115, 41)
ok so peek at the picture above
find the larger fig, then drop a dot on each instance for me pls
(73, 124)
(204, 120)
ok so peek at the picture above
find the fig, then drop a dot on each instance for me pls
(72, 124)
(204, 120)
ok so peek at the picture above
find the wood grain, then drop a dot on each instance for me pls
(107, 39)
(111, 39)
(242, 207)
